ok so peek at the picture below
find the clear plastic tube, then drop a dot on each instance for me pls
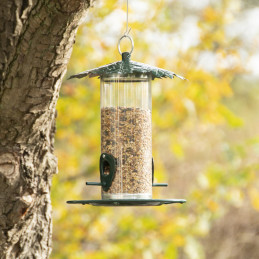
(126, 133)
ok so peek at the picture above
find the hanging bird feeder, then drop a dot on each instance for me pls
(126, 163)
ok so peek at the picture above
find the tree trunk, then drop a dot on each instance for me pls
(36, 38)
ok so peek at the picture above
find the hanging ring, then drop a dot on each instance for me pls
(131, 40)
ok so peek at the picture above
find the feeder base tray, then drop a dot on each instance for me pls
(128, 202)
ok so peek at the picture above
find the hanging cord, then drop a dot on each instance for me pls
(127, 20)
(126, 33)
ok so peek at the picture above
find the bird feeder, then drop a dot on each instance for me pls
(126, 163)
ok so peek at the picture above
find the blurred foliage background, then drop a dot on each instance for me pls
(205, 134)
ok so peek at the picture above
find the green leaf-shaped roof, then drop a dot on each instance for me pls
(126, 67)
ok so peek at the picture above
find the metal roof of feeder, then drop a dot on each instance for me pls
(127, 67)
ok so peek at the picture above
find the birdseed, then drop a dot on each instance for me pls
(126, 133)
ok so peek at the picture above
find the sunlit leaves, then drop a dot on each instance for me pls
(254, 196)
(181, 110)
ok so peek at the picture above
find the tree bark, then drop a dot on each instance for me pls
(36, 38)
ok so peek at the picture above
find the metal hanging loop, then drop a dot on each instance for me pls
(131, 41)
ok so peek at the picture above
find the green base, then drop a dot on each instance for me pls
(127, 202)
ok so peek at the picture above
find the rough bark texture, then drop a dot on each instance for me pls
(36, 38)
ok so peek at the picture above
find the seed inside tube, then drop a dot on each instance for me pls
(126, 133)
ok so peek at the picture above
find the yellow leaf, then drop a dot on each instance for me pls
(179, 240)
(254, 196)
(213, 206)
